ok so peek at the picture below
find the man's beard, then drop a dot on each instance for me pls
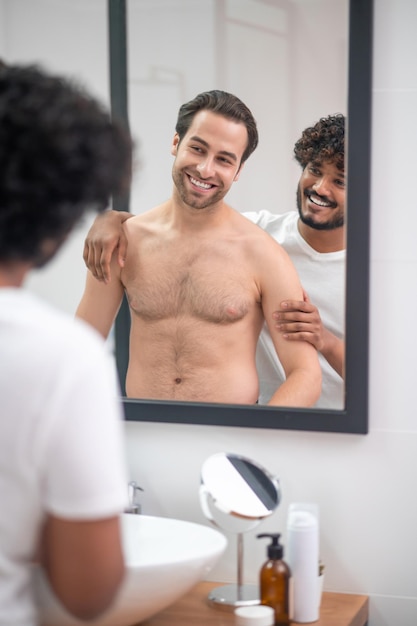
(331, 224)
(189, 198)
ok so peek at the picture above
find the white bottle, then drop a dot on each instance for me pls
(303, 559)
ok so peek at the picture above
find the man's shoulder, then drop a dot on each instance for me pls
(148, 220)
(254, 224)
(260, 240)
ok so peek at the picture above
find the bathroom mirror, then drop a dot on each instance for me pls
(236, 494)
(353, 418)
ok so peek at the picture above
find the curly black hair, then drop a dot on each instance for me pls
(325, 141)
(60, 155)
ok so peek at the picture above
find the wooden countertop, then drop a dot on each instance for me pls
(337, 609)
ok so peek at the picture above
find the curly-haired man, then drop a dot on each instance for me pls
(314, 237)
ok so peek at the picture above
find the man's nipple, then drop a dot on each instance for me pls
(232, 312)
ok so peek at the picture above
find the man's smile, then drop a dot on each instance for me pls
(320, 201)
(200, 184)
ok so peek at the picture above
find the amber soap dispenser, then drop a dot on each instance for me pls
(274, 581)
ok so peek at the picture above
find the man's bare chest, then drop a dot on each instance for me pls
(207, 282)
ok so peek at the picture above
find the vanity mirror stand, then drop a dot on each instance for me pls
(236, 494)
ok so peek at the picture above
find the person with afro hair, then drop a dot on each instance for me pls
(63, 480)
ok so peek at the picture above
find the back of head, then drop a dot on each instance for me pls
(60, 155)
(325, 141)
(222, 103)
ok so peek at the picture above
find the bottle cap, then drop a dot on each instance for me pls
(259, 615)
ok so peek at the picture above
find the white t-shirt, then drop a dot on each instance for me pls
(61, 444)
(322, 276)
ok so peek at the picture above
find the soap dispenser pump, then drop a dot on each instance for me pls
(275, 581)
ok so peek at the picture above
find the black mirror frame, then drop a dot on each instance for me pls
(354, 418)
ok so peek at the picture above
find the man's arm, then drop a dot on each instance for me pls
(100, 302)
(299, 320)
(104, 237)
(302, 386)
(84, 563)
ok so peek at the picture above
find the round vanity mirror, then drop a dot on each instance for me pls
(236, 494)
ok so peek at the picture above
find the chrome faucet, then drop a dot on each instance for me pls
(134, 506)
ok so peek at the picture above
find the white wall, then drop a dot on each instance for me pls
(364, 485)
(67, 37)
(265, 52)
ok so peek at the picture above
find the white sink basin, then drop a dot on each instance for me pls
(164, 558)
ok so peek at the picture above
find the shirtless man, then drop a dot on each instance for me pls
(198, 280)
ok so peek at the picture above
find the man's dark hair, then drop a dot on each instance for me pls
(224, 104)
(60, 155)
(325, 141)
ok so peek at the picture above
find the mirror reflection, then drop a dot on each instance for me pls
(169, 71)
(236, 493)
